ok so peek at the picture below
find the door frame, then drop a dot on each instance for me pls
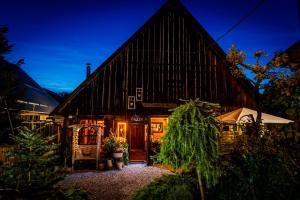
(140, 152)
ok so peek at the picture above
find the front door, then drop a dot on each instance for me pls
(137, 142)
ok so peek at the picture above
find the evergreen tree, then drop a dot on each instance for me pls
(31, 172)
(8, 95)
(191, 141)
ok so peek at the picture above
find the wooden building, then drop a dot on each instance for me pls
(171, 57)
(21, 95)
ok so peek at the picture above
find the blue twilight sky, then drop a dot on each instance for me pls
(58, 37)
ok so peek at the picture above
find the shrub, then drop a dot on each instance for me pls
(126, 156)
(262, 172)
(154, 151)
(191, 141)
(74, 194)
(169, 187)
(109, 147)
(31, 172)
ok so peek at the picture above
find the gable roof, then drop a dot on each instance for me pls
(170, 5)
(30, 96)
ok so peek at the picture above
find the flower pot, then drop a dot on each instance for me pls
(109, 164)
(118, 154)
(101, 166)
(119, 149)
(119, 165)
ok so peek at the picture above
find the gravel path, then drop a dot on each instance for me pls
(114, 184)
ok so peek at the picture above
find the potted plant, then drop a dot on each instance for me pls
(114, 148)
(125, 154)
(109, 147)
(120, 143)
(118, 154)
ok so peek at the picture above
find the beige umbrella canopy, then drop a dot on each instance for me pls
(240, 116)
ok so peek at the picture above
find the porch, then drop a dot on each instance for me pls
(88, 136)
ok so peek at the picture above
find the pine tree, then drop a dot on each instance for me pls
(31, 171)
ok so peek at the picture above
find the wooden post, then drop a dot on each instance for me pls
(58, 134)
(148, 141)
(99, 135)
(63, 140)
(73, 147)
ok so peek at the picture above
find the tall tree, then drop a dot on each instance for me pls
(263, 74)
(191, 141)
(283, 97)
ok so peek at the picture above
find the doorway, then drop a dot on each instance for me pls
(137, 142)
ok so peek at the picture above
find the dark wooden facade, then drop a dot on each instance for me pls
(170, 57)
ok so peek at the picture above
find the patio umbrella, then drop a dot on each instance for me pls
(240, 115)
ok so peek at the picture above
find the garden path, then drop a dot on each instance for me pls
(114, 184)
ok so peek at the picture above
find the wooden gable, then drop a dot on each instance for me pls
(170, 57)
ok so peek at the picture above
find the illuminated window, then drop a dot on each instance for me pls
(158, 125)
(121, 130)
(92, 121)
(87, 136)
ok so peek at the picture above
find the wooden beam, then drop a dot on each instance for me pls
(159, 105)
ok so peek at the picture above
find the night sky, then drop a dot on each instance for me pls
(58, 37)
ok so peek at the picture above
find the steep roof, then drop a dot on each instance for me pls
(170, 5)
(30, 96)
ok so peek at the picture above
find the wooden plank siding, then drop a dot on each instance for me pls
(171, 57)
